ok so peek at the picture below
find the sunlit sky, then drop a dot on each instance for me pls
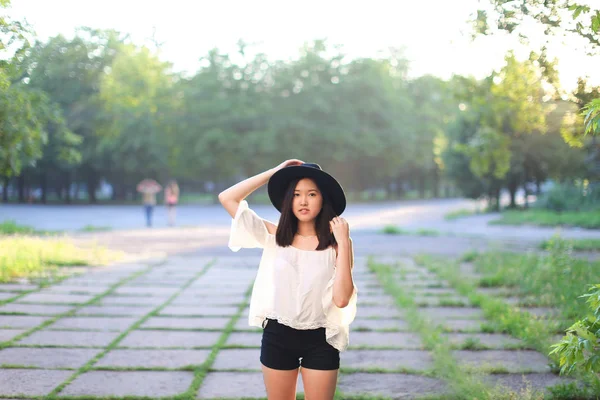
(434, 33)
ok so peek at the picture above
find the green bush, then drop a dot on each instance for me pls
(570, 197)
(580, 347)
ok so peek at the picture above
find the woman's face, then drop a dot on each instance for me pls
(307, 200)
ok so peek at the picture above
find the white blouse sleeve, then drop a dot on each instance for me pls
(248, 230)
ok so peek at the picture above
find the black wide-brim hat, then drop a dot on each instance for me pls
(280, 180)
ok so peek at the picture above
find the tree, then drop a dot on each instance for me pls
(70, 71)
(432, 106)
(562, 17)
(553, 17)
(133, 136)
(498, 129)
(28, 118)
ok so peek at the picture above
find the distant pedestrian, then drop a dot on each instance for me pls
(171, 200)
(149, 188)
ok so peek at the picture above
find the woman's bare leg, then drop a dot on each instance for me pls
(319, 385)
(281, 385)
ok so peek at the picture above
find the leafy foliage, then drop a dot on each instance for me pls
(580, 347)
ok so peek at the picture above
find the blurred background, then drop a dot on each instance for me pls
(399, 100)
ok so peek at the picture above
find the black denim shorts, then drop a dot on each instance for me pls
(286, 348)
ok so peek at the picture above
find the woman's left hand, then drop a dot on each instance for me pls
(340, 229)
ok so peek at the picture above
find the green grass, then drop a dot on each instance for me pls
(576, 244)
(453, 215)
(10, 227)
(395, 230)
(92, 228)
(556, 280)
(40, 258)
(584, 219)
(462, 384)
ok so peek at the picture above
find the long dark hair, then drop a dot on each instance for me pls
(288, 223)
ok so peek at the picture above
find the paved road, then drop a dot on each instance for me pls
(428, 214)
(75, 217)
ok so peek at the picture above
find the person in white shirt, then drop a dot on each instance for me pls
(304, 296)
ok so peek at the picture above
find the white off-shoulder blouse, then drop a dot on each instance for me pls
(293, 286)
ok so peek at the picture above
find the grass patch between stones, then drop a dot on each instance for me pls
(113, 345)
(536, 333)
(72, 312)
(201, 372)
(445, 367)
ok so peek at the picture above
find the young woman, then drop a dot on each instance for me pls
(304, 296)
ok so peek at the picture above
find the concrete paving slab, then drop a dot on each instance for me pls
(153, 358)
(401, 340)
(148, 338)
(245, 385)
(389, 359)
(30, 382)
(34, 309)
(55, 298)
(394, 386)
(247, 359)
(199, 311)
(54, 358)
(21, 321)
(69, 338)
(374, 324)
(207, 323)
(9, 334)
(115, 310)
(130, 383)
(512, 361)
(118, 324)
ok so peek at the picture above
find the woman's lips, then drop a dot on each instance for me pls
(304, 211)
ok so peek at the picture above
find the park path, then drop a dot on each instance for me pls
(173, 325)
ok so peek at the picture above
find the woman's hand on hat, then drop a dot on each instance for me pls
(340, 229)
(289, 163)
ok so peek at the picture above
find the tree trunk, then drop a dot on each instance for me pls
(119, 190)
(76, 191)
(422, 185)
(5, 189)
(44, 186)
(512, 188)
(436, 183)
(498, 199)
(21, 188)
(399, 188)
(92, 183)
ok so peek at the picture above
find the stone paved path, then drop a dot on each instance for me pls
(178, 325)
